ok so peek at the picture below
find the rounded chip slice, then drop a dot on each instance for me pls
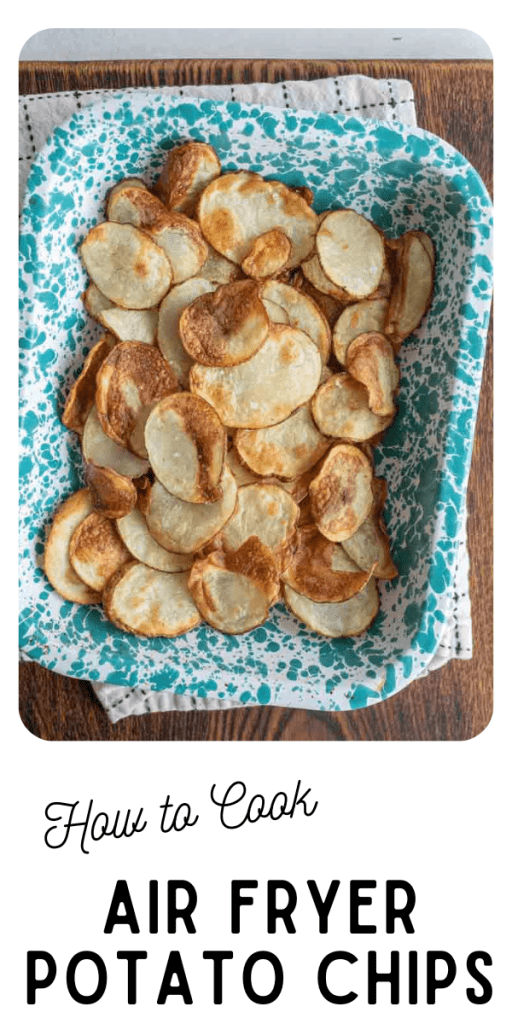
(57, 566)
(95, 302)
(267, 388)
(218, 269)
(134, 533)
(96, 551)
(182, 526)
(147, 602)
(188, 169)
(81, 397)
(97, 447)
(186, 444)
(265, 511)
(428, 244)
(340, 409)
(358, 318)
(234, 591)
(341, 492)
(287, 449)
(126, 265)
(322, 570)
(120, 186)
(371, 360)
(268, 254)
(330, 305)
(370, 543)
(225, 327)
(235, 209)
(131, 324)
(351, 252)
(112, 494)
(132, 379)
(275, 313)
(314, 274)
(346, 618)
(302, 313)
(168, 334)
(412, 294)
(240, 472)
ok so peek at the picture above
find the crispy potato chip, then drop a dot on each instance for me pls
(96, 551)
(305, 192)
(351, 252)
(168, 334)
(188, 169)
(81, 397)
(112, 494)
(314, 274)
(302, 313)
(412, 294)
(426, 242)
(275, 313)
(147, 602)
(240, 472)
(322, 570)
(341, 492)
(340, 409)
(267, 388)
(186, 444)
(234, 591)
(126, 265)
(330, 305)
(134, 533)
(132, 379)
(358, 318)
(184, 527)
(265, 511)
(346, 618)
(235, 209)
(97, 447)
(370, 543)
(131, 324)
(268, 254)
(287, 449)
(95, 302)
(57, 566)
(120, 186)
(370, 360)
(225, 327)
(218, 269)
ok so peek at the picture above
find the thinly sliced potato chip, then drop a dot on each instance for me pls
(265, 511)
(322, 570)
(234, 591)
(358, 318)
(346, 618)
(277, 314)
(184, 527)
(120, 186)
(314, 273)
(240, 472)
(96, 551)
(267, 388)
(412, 294)
(268, 254)
(168, 334)
(225, 327)
(97, 447)
(186, 444)
(371, 360)
(427, 243)
(235, 209)
(218, 269)
(340, 409)
(132, 379)
(305, 192)
(147, 602)
(370, 543)
(131, 324)
(351, 252)
(95, 302)
(134, 533)
(302, 313)
(330, 305)
(112, 494)
(341, 492)
(287, 449)
(126, 265)
(188, 169)
(57, 566)
(81, 397)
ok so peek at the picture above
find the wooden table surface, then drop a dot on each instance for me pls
(453, 100)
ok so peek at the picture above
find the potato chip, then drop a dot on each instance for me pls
(188, 169)
(370, 543)
(168, 335)
(330, 305)
(225, 327)
(275, 313)
(346, 618)
(412, 294)
(265, 511)
(341, 492)
(351, 252)
(268, 254)
(96, 551)
(132, 379)
(218, 269)
(305, 192)
(235, 209)
(57, 566)
(186, 444)
(302, 313)
(322, 570)
(97, 447)
(267, 388)
(147, 602)
(427, 244)
(81, 397)
(340, 409)
(240, 472)
(184, 527)
(314, 274)
(370, 360)
(120, 186)
(131, 324)
(134, 533)
(358, 318)
(234, 591)
(287, 449)
(112, 494)
(126, 265)
(95, 302)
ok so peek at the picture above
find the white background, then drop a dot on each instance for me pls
(435, 814)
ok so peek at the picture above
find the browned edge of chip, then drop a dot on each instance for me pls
(81, 397)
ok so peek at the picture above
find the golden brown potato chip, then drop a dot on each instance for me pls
(322, 570)
(240, 472)
(370, 543)
(131, 324)
(81, 397)
(234, 591)
(358, 318)
(268, 254)
(340, 409)
(186, 445)
(112, 494)
(371, 360)
(351, 252)
(168, 334)
(314, 274)
(265, 511)
(346, 618)
(95, 302)
(302, 313)
(218, 269)
(412, 293)
(188, 169)
(96, 551)
(126, 265)
(120, 186)
(129, 383)
(97, 447)
(287, 449)
(341, 492)
(134, 532)
(275, 313)
(305, 192)
(57, 566)
(331, 306)
(225, 327)
(184, 527)
(147, 602)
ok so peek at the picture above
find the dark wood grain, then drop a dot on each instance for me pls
(453, 100)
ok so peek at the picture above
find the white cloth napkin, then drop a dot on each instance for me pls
(384, 99)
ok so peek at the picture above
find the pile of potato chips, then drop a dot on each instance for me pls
(229, 413)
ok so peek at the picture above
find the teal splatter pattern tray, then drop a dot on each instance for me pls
(402, 178)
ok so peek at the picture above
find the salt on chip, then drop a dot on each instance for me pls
(234, 590)
(302, 313)
(131, 324)
(341, 492)
(351, 252)
(57, 565)
(186, 445)
(126, 265)
(265, 511)
(112, 494)
(81, 397)
(225, 327)
(371, 360)
(96, 551)
(322, 571)
(182, 526)
(134, 533)
(97, 447)
(369, 545)
(346, 618)
(287, 449)
(358, 318)
(147, 602)
(268, 254)
(168, 334)
(340, 409)
(188, 169)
